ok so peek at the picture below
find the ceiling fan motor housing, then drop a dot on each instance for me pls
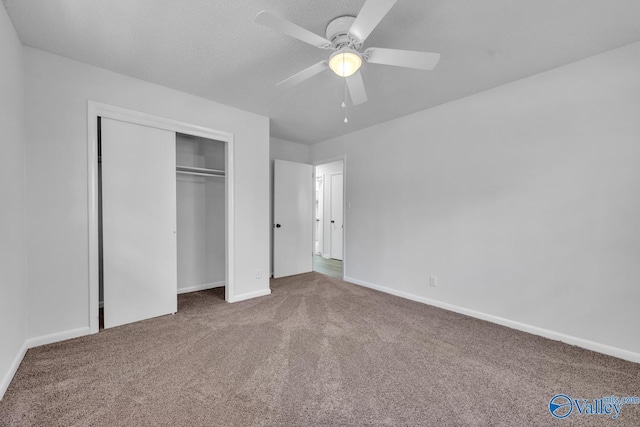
(338, 33)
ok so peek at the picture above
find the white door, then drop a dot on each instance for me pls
(292, 217)
(336, 215)
(138, 222)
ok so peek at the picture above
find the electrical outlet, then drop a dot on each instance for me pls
(258, 274)
(433, 281)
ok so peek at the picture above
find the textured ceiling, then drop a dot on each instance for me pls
(213, 49)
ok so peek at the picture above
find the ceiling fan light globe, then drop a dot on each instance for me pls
(345, 63)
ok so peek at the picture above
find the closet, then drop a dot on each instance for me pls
(161, 218)
(200, 213)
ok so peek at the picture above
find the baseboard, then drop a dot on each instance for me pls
(59, 336)
(4, 384)
(249, 295)
(202, 287)
(36, 342)
(79, 332)
(546, 333)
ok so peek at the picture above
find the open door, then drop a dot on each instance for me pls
(292, 216)
(337, 215)
(139, 222)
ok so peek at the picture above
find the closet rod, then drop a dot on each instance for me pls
(203, 171)
(213, 175)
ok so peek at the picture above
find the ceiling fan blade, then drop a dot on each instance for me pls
(291, 29)
(356, 89)
(369, 17)
(402, 58)
(304, 74)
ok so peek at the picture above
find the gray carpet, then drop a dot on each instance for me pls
(317, 352)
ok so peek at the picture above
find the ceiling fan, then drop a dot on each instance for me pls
(345, 36)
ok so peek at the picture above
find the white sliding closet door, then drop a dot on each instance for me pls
(139, 222)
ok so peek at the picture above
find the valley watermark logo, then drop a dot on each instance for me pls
(561, 405)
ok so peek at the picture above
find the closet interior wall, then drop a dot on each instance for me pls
(200, 214)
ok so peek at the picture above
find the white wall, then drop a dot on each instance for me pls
(523, 200)
(288, 150)
(282, 150)
(13, 288)
(325, 170)
(56, 94)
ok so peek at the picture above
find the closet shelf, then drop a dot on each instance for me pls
(189, 170)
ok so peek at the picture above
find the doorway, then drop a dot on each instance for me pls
(328, 247)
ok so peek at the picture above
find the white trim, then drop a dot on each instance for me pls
(57, 337)
(36, 342)
(4, 384)
(546, 333)
(250, 295)
(95, 110)
(344, 215)
(202, 287)
(344, 208)
(229, 231)
(92, 199)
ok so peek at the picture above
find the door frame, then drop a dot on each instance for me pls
(345, 206)
(331, 175)
(97, 109)
(318, 236)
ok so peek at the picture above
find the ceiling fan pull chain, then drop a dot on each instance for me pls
(344, 101)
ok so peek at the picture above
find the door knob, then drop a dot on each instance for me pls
(278, 225)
